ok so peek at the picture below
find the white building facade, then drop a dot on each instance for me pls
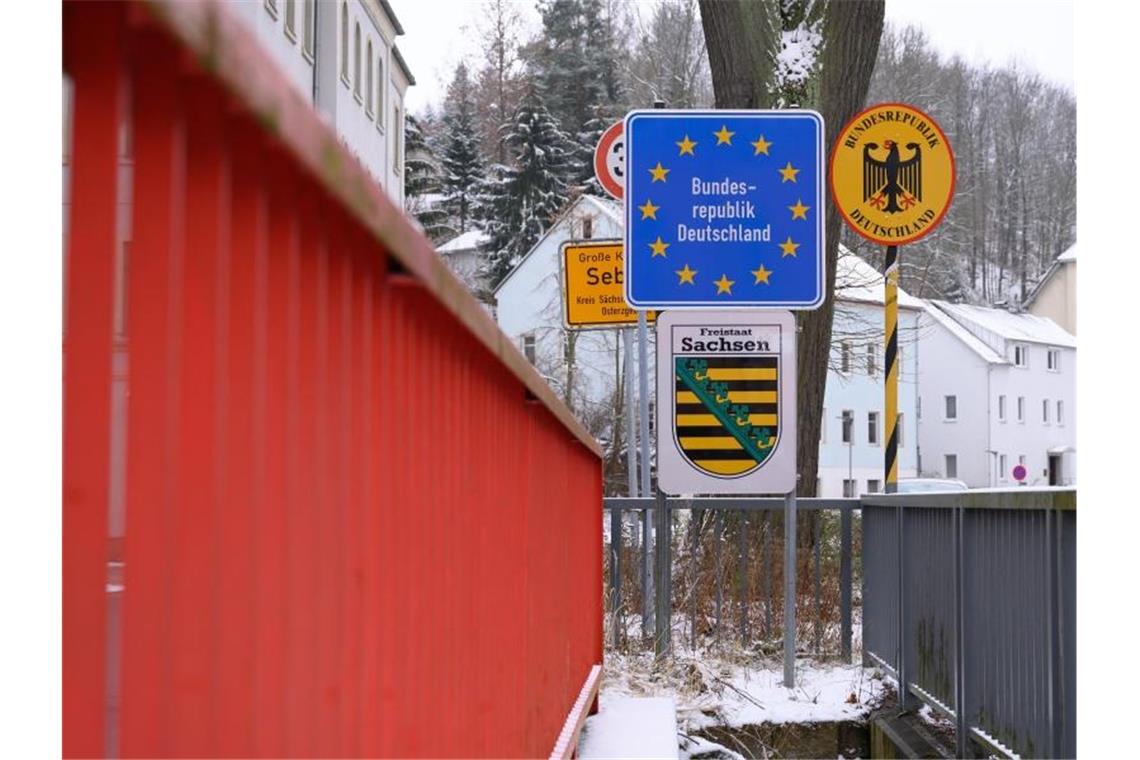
(996, 389)
(462, 256)
(528, 307)
(1055, 295)
(342, 58)
(852, 446)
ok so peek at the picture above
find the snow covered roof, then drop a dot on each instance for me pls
(856, 280)
(1021, 326)
(610, 208)
(1068, 257)
(467, 241)
(961, 333)
(431, 200)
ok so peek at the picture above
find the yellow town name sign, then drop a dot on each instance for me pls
(593, 286)
(892, 173)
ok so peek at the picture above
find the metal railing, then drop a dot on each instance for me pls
(736, 546)
(328, 442)
(966, 598)
(969, 602)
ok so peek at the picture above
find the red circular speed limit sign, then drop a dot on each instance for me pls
(609, 161)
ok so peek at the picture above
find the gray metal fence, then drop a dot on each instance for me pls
(758, 531)
(969, 599)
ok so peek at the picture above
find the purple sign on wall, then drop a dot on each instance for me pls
(1019, 472)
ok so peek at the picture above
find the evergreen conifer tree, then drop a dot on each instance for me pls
(576, 63)
(421, 178)
(519, 201)
(462, 162)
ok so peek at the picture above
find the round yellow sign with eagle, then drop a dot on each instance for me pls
(892, 173)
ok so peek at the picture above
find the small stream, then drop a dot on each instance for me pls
(848, 739)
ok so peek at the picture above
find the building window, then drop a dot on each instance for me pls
(1053, 360)
(1045, 410)
(1060, 413)
(873, 428)
(307, 30)
(344, 43)
(951, 465)
(368, 89)
(356, 62)
(872, 363)
(587, 228)
(271, 7)
(291, 20)
(845, 357)
(381, 53)
(822, 432)
(1003, 466)
(397, 130)
(848, 422)
(951, 407)
(900, 429)
(873, 486)
(848, 489)
(1021, 459)
(528, 347)
(1021, 408)
(1020, 355)
(1001, 408)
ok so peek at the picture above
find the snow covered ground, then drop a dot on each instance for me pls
(629, 728)
(742, 691)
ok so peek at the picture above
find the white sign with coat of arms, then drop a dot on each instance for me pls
(726, 417)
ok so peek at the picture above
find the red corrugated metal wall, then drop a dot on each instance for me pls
(350, 529)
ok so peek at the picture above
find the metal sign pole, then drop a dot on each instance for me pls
(891, 384)
(643, 389)
(643, 425)
(790, 589)
(630, 412)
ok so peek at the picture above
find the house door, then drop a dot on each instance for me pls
(1054, 469)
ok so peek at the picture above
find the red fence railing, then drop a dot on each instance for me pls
(354, 520)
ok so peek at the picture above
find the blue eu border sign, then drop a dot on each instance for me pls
(724, 209)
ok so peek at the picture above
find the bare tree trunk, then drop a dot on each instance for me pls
(569, 347)
(850, 45)
(742, 39)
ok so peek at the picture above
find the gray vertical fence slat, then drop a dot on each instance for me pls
(718, 542)
(646, 580)
(742, 576)
(817, 531)
(663, 563)
(961, 701)
(695, 540)
(790, 590)
(845, 583)
(615, 574)
(1067, 619)
(769, 572)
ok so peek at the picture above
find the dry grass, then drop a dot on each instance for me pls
(751, 574)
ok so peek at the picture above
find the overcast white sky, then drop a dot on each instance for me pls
(1037, 34)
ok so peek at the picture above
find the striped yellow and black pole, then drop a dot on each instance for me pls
(891, 386)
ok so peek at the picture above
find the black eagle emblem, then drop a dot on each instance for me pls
(892, 184)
